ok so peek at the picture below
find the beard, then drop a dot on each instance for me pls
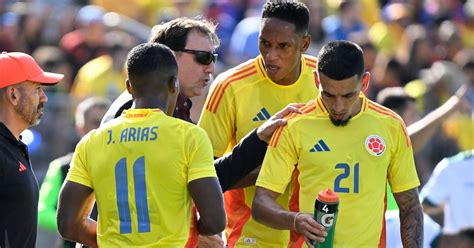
(28, 113)
(340, 123)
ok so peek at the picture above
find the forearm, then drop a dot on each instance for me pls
(411, 218)
(85, 233)
(75, 202)
(266, 210)
(207, 197)
(423, 130)
(245, 157)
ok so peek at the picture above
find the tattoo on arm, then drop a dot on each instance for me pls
(411, 218)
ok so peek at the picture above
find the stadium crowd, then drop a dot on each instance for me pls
(419, 54)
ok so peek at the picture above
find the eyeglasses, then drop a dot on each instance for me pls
(202, 57)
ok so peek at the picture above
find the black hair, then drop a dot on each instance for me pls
(340, 60)
(291, 11)
(150, 67)
(394, 98)
(175, 33)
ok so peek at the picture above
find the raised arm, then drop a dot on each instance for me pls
(207, 197)
(423, 130)
(249, 153)
(266, 210)
(75, 202)
(411, 218)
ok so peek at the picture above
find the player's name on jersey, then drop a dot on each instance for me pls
(134, 134)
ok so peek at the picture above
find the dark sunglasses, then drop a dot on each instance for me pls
(202, 57)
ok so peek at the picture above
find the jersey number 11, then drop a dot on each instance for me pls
(141, 204)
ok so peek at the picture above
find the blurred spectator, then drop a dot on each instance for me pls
(461, 239)
(8, 29)
(415, 52)
(244, 41)
(431, 230)
(228, 13)
(422, 131)
(450, 41)
(466, 28)
(144, 11)
(104, 76)
(31, 23)
(318, 10)
(387, 72)
(347, 23)
(85, 43)
(88, 115)
(386, 34)
(449, 192)
(52, 58)
(180, 8)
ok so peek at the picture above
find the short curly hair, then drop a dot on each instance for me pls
(291, 11)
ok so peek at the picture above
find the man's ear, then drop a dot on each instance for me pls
(306, 43)
(173, 85)
(12, 94)
(129, 86)
(316, 78)
(365, 82)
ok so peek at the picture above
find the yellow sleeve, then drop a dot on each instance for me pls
(279, 163)
(199, 152)
(218, 116)
(402, 172)
(79, 171)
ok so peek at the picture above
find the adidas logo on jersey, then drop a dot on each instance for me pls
(21, 167)
(320, 147)
(263, 115)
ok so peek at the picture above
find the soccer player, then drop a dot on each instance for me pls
(144, 168)
(194, 42)
(347, 143)
(243, 97)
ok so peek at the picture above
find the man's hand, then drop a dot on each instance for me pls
(266, 130)
(214, 241)
(309, 228)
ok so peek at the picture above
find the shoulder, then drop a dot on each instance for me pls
(307, 111)
(383, 113)
(293, 121)
(310, 61)
(238, 74)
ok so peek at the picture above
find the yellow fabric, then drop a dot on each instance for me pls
(145, 11)
(327, 156)
(240, 100)
(461, 128)
(166, 153)
(97, 78)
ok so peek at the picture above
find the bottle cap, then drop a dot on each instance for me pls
(328, 195)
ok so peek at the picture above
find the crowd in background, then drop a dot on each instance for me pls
(424, 46)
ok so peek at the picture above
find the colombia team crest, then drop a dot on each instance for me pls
(375, 145)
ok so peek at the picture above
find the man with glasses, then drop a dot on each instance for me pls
(245, 96)
(194, 42)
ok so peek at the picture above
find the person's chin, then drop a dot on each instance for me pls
(339, 122)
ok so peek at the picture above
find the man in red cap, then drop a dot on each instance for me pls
(22, 102)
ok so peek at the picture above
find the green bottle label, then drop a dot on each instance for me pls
(326, 215)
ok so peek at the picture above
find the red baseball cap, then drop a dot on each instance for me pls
(16, 67)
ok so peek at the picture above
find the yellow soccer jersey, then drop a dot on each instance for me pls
(139, 166)
(353, 160)
(240, 100)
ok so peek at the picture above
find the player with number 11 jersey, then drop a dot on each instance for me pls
(128, 182)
